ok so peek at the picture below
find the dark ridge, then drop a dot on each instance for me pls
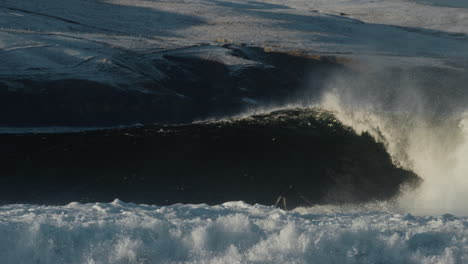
(253, 159)
(192, 88)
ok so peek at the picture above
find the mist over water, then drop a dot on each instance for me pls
(423, 125)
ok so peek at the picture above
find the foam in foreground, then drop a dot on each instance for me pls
(234, 232)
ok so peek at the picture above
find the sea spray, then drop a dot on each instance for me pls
(419, 134)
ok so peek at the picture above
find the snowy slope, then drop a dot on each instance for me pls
(80, 39)
(449, 16)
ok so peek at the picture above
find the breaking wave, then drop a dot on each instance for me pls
(254, 158)
(354, 156)
(421, 118)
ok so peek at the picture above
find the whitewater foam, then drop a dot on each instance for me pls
(233, 232)
(432, 144)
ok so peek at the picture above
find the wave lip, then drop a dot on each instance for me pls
(233, 232)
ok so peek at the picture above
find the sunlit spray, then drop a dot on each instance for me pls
(434, 145)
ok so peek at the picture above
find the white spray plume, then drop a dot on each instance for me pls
(434, 145)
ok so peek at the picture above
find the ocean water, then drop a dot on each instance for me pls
(233, 232)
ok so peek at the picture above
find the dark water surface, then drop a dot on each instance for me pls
(253, 159)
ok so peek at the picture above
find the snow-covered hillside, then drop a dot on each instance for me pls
(80, 38)
(101, 48)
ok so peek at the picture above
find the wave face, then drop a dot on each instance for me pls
(233, 232)
(253, 158)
